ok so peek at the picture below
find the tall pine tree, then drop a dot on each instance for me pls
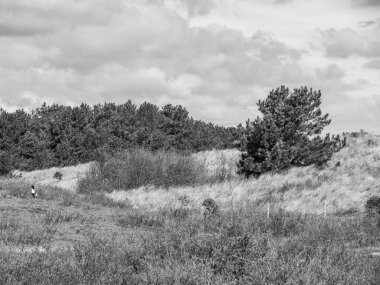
(288, 133)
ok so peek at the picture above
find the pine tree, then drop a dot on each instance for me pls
(288, 133)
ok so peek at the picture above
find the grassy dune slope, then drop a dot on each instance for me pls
(343, 185)
(70, 176)
(68, 238)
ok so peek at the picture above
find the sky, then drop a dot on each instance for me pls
(216, 58)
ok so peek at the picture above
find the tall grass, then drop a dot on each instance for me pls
(132, 169)
(227, 247)
(341, 186)
(170, 239)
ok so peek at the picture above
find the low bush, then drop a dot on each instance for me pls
(58, 175)
(372, 209)
(211, 207)
(135, 168)
(372, 205)
(94, 181)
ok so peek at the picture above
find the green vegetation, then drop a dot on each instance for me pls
(62, 135)
(288, 133)
(65, 237)
(150, 211)
(132, 169)
(93, 244)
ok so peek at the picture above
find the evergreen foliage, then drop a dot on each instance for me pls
(288, 133)
(56, 135)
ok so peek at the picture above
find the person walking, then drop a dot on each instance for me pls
(34, 193)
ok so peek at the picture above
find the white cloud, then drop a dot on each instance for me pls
(373, 64)
(215, 57)
(347, 42)
(331, 72)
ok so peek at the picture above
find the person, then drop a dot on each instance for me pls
(34, 193)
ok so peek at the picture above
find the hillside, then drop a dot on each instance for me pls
(344, 184)
(351, 177)
(70, 176)
(153, 235)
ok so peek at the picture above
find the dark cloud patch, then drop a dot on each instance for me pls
(364, 24)
(283, 1)
(27, 18)
(17, 32)
(366, 3)
(15, 22)
(9, 30)
(374, 64)
(370, 23)
(346, 42)
(273, 2)
(331, 72)
(198, 7)
(193, 7)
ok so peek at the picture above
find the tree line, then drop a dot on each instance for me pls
(58, 135)
(287, 134)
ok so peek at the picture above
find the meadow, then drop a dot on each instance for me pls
(124, 222)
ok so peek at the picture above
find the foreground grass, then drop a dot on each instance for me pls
(52, 241)
(163, 235)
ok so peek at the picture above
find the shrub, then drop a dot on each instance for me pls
(58, 175)
(135, 168)
(372, 209)
(184, 200)
(372, 205)
(211, 207)
(372, 142)
(94, 181)
(288, 133)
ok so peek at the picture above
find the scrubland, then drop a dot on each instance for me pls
(343, 185)
(142, 228)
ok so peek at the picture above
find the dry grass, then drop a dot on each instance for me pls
(343, 185)
(167, 238)
(348, 180)
(43, 243)
(70, 176)
(67, 238)
(221, 163)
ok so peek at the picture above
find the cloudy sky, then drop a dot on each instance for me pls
(217, 58)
